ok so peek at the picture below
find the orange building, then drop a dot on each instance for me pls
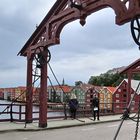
(105, 97)
(20, 94)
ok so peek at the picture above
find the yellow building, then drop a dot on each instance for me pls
(20, 94)
(105, 97)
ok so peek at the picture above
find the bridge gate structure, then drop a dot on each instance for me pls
(48, 34)
(133, 68)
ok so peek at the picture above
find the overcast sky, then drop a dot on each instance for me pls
(84, 51)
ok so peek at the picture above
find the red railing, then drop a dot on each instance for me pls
(16, 112)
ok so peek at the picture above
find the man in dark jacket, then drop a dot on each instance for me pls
(95, 107)
(73, 105)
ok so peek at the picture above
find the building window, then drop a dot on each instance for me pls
(124, 90)
(117, 95)
(132, 96)
(132, 108)
(101, 106)
(124, 95)
(133, 102)
(117, 106)
(119, 90)
(124, 101)
(117, 101)
(101, 101)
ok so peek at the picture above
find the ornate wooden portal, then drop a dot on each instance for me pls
(48, 33)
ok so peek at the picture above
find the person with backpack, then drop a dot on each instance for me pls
(73, 105)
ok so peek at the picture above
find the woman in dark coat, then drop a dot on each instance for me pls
(95, 107)
(73, 105)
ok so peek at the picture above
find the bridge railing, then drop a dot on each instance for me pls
(16, 111)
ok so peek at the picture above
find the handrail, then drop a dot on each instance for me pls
(18, 111)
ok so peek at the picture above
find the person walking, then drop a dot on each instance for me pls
(95, 107)
(73, 105)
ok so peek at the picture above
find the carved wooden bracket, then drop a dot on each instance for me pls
(66, 11)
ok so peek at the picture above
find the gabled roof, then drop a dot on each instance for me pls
(131, 66)
(134, 85)
(111, 89)
(65, 88)
(86, 87)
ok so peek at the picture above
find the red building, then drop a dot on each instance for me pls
(9, 93)
(90, 93)
(2, 94)
(121, 97)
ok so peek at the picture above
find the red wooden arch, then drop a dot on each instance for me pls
(48, 33)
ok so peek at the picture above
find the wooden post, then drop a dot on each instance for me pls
(129, 86)
(20, 112)
(43, 93)
(29, 91)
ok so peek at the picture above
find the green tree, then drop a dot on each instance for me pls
(106, 79)
(78, 83)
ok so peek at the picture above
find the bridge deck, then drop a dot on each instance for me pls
(54, 124)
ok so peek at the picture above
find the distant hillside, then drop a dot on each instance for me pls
(110, 78)
(116, 70)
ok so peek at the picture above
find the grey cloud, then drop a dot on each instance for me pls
(18, 20)
(82, 67)
(96, 35)
(81, 49)
(92, 40)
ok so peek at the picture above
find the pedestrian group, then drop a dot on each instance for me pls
(73, 106)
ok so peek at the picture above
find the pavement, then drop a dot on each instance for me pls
(55, 124)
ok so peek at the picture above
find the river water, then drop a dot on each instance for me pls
(16, 109)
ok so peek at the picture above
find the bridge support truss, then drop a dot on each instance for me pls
(48, 34)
